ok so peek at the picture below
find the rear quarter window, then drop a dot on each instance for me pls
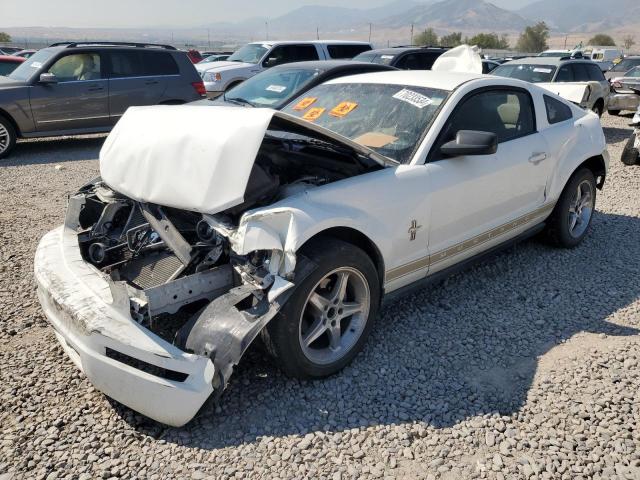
(159, 63)
(346, 51)
(556, 110)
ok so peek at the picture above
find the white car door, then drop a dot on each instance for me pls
(479, 201)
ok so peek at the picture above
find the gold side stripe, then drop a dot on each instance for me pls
(462, 247)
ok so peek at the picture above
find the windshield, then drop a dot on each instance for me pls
(272, 87)
(30, 66)
(554, 54)
(390, 119)
(626, 65)
(251, 53)
(528, 73)
(633, 73)
(374, 58)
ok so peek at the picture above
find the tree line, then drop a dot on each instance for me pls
(533, 39)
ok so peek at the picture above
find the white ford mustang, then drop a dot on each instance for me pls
(210, 226)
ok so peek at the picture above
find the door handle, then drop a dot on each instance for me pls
(151, 82)
(537, 157)
(95, 89)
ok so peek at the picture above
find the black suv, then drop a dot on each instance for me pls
(78, 88)
(404, 58)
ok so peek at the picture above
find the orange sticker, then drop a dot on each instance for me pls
(343, 109)
(313, 114)
(304, 103)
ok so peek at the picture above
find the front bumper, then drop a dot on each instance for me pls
(624, 101)
(91, 319)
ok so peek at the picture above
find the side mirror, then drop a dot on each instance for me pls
(270, 62)
(48, 78)
(471, 142)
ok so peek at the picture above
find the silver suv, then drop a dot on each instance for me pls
(255, 57)
(78, 88)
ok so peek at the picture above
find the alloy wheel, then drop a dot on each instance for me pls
(334, 316)
(581, 209)
(4, 138)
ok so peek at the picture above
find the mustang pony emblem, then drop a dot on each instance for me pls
(413, 230)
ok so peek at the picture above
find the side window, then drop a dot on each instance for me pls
(346, 51)
(291, 53)
(410, 61)
(595, 74)
(556, 110)
(580, 72)
(126, 64)
(159, 63)
(78, 66)
(507, 113)
(565, 74)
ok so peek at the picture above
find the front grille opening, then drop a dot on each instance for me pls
(146, 367)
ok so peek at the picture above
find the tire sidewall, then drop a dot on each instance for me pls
(630, 154)
(12, 137)
(284, 329)
(562, 208)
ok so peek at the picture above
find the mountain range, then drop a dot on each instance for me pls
(391, 22)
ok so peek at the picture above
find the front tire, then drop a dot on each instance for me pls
(570, 220)
(7, 137)
(598, 108)
(330, 314)
(630, 154)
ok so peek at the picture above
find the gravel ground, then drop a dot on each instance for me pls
(526, 366)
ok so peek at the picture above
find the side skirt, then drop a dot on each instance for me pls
(458, 267)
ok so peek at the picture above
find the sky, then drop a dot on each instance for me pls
(147, 13)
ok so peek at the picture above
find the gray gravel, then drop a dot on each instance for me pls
(523, 367)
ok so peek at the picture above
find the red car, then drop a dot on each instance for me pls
(9, 63)
(194, 55)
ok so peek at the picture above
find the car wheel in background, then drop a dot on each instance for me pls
(598, 108)
(630, 154)
(614, 112)
(569, 222)
(329, 316)
(7, 137)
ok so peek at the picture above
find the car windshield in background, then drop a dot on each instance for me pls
(528, 73)
(626, 65)
(380, 59)
(389, 119)
(251, 53)
(271, 88)
(633, 73)
(554, 54)
(30, 66)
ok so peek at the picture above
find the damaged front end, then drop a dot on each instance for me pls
(180, 276)
(164, 273)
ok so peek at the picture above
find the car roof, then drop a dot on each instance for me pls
(326, 65)
(547, 61)
(397, 50)
(314, 42)
(11, 58)
(417, 78)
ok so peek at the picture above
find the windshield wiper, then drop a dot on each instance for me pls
(239, 101)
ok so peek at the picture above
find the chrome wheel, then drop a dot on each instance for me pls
(334, 316)
(4, 138)
(581, 209)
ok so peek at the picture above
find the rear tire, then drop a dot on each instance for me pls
(7, 137)
(630, 154)
(570, 220)
(314, 335)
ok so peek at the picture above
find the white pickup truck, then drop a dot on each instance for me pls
(255, 57)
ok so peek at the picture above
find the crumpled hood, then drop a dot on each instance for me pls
(187, 157)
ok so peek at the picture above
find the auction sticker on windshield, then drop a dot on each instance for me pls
(542, 70)
(414, 98)
(343, 109)
(305, 103)
(313, 114)
(276, 88)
